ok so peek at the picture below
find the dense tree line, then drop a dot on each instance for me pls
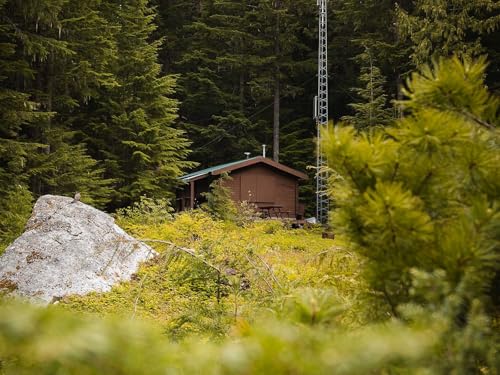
(90, 91)
(237, 58)
(248, 68)
(84, 105)
(241, 63)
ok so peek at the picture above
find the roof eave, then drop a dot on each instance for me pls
(242, 164)
(264, 160)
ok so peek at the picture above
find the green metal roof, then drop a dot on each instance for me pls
(207, 171)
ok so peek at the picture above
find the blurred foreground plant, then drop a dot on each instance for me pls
(49, 341)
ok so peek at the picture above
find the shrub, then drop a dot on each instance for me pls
(219, 203)
(49, 341)
(147, 211)
(246, 213)
(421, 197)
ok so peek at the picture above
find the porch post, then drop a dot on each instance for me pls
(191, 201)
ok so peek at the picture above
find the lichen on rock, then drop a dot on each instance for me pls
(69, 248)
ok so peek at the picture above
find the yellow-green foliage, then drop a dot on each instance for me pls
(419, 200)
(219, 203)
(261, 265)
(49, 341)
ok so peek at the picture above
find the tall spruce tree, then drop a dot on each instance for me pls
(356, 26)
(80, 79)
(16, 112)
(47, 36)
(287, 34)
(371, 109)
(213, 85)
(130, 124)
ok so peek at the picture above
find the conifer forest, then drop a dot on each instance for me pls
(116, 100)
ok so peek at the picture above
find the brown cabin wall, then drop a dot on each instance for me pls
(234, 184)
(264, 186)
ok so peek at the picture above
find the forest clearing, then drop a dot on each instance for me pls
(278, 288)
(249, 187)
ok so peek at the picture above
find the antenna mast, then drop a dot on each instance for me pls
(321, 115)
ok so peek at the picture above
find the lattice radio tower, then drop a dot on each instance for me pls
(321, 115)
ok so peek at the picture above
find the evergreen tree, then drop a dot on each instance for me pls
(287, 34)
(131, 122)
(372, 109)
(79, 78)
(60, 77)
(446, 27)
(356, 26)
(16, 112)
(419, 201)
(172, 18)
(213, 85)
(219, 202)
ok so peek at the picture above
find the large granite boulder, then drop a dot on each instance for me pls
(69, 248)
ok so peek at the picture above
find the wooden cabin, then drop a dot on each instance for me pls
(271, 186)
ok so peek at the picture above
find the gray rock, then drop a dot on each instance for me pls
(69, 248)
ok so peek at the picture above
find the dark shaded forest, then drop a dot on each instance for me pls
(116, 99)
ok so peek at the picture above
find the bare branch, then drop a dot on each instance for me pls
(271, 289)
(186, 250)
(270, 271)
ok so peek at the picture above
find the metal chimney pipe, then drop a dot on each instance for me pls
(247, 154)
(264, 150)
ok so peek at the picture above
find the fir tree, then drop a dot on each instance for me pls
(446, 27)
(356, 26)
(131, 123)
(62, 76)
(17, 113)
(214, 82)
(372, 109)
(285, 64)
(219, 202)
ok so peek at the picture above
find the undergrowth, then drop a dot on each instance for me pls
(236, 274)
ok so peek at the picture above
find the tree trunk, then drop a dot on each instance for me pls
(50, 94)
(242, 91)
(399, 80)
(276, 123)
(276, 111)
